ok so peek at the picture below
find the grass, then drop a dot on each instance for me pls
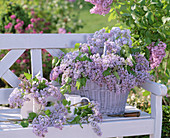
(93, 22)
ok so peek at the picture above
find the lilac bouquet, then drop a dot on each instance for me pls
(56, 116)
(39, 88)
(107, 64)
(118, 66)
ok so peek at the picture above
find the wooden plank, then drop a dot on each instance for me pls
(36, 67)
(109, 129)
(155, 88)
(11, 78)
(9, 60)
(156, 113)
(4, 95)
(55, 52)
(36, 62)
(43, 41)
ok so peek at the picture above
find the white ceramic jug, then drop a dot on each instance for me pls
(74, 100)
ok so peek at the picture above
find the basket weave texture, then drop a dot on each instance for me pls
(111, 102)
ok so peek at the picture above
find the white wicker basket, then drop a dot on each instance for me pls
(111, 102)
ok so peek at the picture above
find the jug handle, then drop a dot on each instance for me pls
(85, 99)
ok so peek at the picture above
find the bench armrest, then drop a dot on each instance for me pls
(155, 88)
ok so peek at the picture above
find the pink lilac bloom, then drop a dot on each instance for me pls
(157, 53)
(33, 20)
(71, 0)
(13, 16)
(101, 7)
(2, 55)
(18, 20)
(44, 65)
(61, 31)
(18, 61)
(8, 26)
(13, 70)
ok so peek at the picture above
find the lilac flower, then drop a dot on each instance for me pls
(157, 53)
(61, 31)
(40, 125)
(13, 16)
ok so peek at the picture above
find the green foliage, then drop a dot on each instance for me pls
(28, 76)
(166, 121)
(48, 112)
(32, 115)
(13, 9)
(24, 123)
(149, 22)
(81, 112)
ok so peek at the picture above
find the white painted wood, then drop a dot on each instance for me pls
(55, 52)
(110, 127)
(9, 60)
(36, 62)
(36, 67)
(156, 113)
(4, 95)
(155, 88)
(42, 41)
(11, 78)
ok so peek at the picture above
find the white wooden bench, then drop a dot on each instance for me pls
(111, 126)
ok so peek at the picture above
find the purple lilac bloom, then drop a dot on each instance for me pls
(157, 53)
(40, 125)
(101, 7)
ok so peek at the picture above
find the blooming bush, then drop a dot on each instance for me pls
(40, 89)
(48, 18)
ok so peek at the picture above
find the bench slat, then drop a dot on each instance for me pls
(11, 78)
(9, 60)
(42, 41)
(4, 95)
(55, 52)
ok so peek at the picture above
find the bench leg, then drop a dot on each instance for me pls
(156, 113)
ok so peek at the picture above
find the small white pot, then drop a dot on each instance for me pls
(27, 108)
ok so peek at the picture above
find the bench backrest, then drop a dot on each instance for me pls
(18, 43)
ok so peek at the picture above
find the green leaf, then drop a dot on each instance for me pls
(48, 112)
(147, 52)
(116, 75)
(146, 93)
(65, 102)
(75, 111)
(78, 84)
(142, 2)
(107, 72)
(55, 61)
(111, 16)
(24, 123)
(77, 45)
(32, 115)
(68, 80)
(149, 15)
(89, 50)
(83, 81)
(129, 69)
(28, 76)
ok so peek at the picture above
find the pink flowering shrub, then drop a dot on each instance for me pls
(18, 19)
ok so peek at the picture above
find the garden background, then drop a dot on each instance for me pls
(148, 21)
